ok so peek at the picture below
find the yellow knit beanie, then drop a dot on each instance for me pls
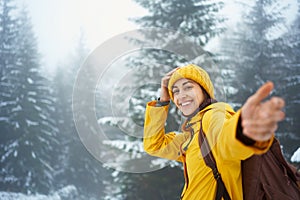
(195, 73)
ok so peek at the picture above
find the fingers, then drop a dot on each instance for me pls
(167, 77)
(262, 93)
(272, 109)
(164, 96)
(259, 130)
(264, 121)
(263, 125)
(276, 103)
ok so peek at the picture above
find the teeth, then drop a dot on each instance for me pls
(185, 103)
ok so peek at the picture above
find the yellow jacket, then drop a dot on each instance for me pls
(219, 124)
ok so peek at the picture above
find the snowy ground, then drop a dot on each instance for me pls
(66, 193)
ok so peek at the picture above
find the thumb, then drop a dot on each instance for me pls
(262, 93)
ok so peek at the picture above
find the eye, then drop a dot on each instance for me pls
(188, 87)
(175, 91)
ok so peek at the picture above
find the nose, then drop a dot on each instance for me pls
(181, 95)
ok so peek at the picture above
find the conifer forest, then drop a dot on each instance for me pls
(43, 138)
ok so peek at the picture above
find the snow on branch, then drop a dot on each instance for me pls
(127, 146)
(113, 121)
(135, 148)
(296, 156)
(164, 162)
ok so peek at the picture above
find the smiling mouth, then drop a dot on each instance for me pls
(185, 103)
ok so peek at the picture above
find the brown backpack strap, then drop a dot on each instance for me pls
(211, 163)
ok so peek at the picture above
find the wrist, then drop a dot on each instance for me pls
(242, 137)
(161, 102)
(161, 99)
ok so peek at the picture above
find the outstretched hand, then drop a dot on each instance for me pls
(260, 119)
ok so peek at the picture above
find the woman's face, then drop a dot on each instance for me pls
(188, 95)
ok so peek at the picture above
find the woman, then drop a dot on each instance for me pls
(232, 136)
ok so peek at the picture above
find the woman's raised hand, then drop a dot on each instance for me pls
(164, 94)
(260, 119)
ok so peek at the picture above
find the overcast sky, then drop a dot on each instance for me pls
(57, 23)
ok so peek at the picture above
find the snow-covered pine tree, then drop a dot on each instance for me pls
(8, 32)
(254, 49)
(29, 138)
(257, 51)
(78, 166)
(289, 85)
(198, 19)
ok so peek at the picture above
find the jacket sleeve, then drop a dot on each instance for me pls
(220, 125)
(156, 141)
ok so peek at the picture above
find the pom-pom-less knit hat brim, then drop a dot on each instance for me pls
(195, 73)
